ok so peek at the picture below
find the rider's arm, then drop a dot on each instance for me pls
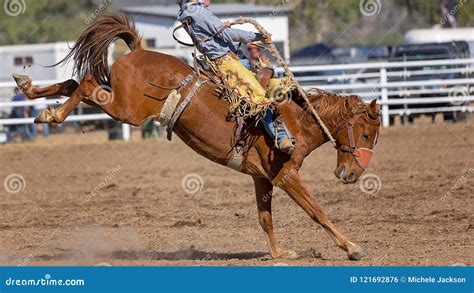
(241, 36)
(214, 24)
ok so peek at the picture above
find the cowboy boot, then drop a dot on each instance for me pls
(277, 130)
(286, 146)
(284, 140)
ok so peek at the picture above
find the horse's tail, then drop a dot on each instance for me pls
(90, 52)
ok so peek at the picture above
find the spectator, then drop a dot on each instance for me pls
(22, 130)
(34, 112)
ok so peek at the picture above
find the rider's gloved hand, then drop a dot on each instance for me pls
(227, 24)
(267, 39)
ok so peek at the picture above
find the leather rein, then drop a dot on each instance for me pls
(362, 155)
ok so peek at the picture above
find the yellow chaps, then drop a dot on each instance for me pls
(244, 80)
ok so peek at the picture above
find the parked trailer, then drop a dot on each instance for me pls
(441, 35)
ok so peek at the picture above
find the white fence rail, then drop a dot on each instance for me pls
(7, 105)
(402, 88)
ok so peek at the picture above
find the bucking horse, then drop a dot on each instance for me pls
(128, 93)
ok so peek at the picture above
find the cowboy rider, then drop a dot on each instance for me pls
(215, 39)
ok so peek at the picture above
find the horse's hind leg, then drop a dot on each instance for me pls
(290, 181)
(85, 90)
(263, 191)
(65, 88)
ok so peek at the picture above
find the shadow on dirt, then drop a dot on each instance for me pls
(184, 254)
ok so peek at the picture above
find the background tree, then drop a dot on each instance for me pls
(335, 22)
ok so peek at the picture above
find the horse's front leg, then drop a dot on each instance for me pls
(263, 192)
(290, 181)
(25, 84)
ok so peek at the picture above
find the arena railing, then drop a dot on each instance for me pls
(418, 87)
(6, 104)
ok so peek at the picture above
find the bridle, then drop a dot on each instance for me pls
(361, 155)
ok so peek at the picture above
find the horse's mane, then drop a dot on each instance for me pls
(333, 108)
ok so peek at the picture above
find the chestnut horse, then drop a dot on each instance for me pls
(203, 125)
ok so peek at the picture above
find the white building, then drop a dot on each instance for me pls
(33, 59)
(156, 24)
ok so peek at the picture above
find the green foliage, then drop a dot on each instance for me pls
(45, 21)
(430, 10)
(337, 22)
(340, 22)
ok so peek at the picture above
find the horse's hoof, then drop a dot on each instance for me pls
(286, 254)
(356, 252)
(44, 117)
(24, 82)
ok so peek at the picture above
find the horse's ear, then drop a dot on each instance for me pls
(374, 110)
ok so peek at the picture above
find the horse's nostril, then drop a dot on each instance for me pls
(342, 169)
(351, 178)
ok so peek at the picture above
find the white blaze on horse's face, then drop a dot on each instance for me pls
(356, 137)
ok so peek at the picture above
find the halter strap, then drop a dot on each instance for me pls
(361, 155)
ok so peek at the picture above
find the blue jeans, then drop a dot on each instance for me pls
(21, 130)
(34, 129)
(268, 125)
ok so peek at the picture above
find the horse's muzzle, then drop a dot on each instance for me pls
(362, 156)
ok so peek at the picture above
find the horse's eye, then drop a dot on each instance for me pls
(365, 136)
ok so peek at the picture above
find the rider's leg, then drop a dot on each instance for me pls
(245, 62)
(239, 77)
(283, 138)
(274, 82)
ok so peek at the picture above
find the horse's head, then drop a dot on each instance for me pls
(355, 138)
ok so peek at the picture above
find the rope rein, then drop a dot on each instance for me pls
(281, 62)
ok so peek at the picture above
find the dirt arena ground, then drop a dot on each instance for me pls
(84, 201)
